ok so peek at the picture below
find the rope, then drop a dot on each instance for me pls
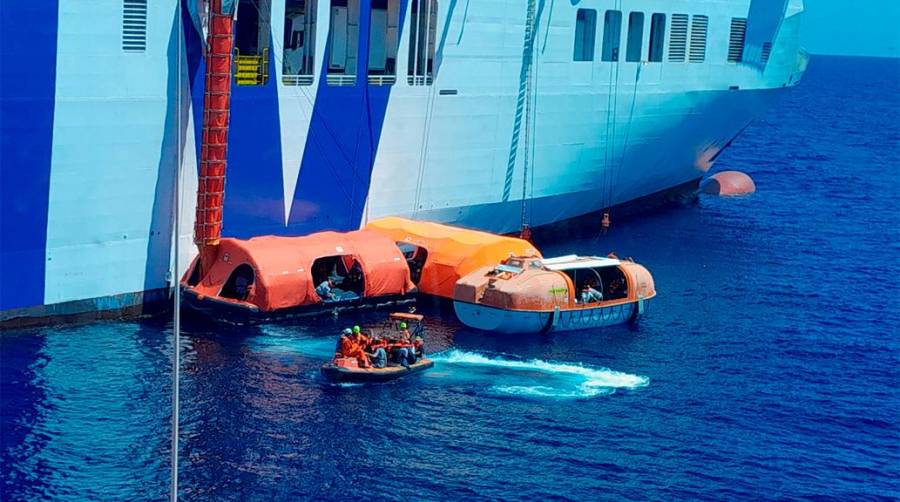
(176, 277)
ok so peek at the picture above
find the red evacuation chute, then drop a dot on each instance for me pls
(214, 146)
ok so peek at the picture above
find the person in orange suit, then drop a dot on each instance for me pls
(350, 347)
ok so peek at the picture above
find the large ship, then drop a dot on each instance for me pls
(490, 114)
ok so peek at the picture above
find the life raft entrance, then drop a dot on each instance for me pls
(345, 271)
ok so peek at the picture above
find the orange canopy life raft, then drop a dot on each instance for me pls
(530, 295)
(268, 277)
(439, 255)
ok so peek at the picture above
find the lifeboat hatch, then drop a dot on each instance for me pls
(239, 283)
(345, 271)
(609, 281)
(416, 257)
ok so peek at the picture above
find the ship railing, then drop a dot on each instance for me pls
(341, 80)
(382, 79)
(420, 80)
(297, 80)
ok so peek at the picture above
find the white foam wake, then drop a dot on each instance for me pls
(588, 381)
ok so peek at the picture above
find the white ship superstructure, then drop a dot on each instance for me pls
(484, 113)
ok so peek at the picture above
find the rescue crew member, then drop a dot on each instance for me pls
(350, 348)
(377, 352)
(401, 349)
(345, 335)
(419, 348)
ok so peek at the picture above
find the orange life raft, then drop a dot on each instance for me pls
(439, 255)
(266, 277)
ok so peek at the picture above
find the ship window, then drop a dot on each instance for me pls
(239, 283)
(678, 38)
(384, 41)
(298, 60)
(251, 42)
(422, 38)
(612, 35)
(585, 33)
(343, 42)
(698, 38)
(635, 36)
(736, 41)
(657, 37)
(134, 25)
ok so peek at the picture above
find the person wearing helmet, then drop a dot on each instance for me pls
(345, 335)
(402, 350)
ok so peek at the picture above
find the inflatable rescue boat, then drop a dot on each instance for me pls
(347, 369)
(266, 278)
(532, 295)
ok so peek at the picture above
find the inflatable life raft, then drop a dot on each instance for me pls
(265, 278)
(439, 255)
(532, 295)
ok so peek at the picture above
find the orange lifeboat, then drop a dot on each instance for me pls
(270, 277)
(532, 295)
(439, 255)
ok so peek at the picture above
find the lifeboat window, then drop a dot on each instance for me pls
(345, 271)
(299, 56)
(615, 286)
(422, 38)
(612, 35)
(384, 41)
(343, 41)
(635, 37)
(416, 257)
(657, 37)
(585, 33)
(251, 42)
(239, 284)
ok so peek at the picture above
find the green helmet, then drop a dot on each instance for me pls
(402, 325)
(356, 329)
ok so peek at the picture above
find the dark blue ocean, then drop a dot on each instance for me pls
(767, 367)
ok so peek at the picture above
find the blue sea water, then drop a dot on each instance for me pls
(768, 366)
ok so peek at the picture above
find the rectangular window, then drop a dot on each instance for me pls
(612, 35)
(384, 41)
(585, 33)
(698, 38)
(422, 39)
(134, 25)
(635, 37)
(299, 54)
(736, 40)
(343, 42)
(657, 38)
(678, 38)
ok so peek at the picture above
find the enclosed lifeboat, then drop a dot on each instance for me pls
(271, 277)
(439, 255)
(532, 295)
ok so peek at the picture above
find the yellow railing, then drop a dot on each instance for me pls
(251, 70)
